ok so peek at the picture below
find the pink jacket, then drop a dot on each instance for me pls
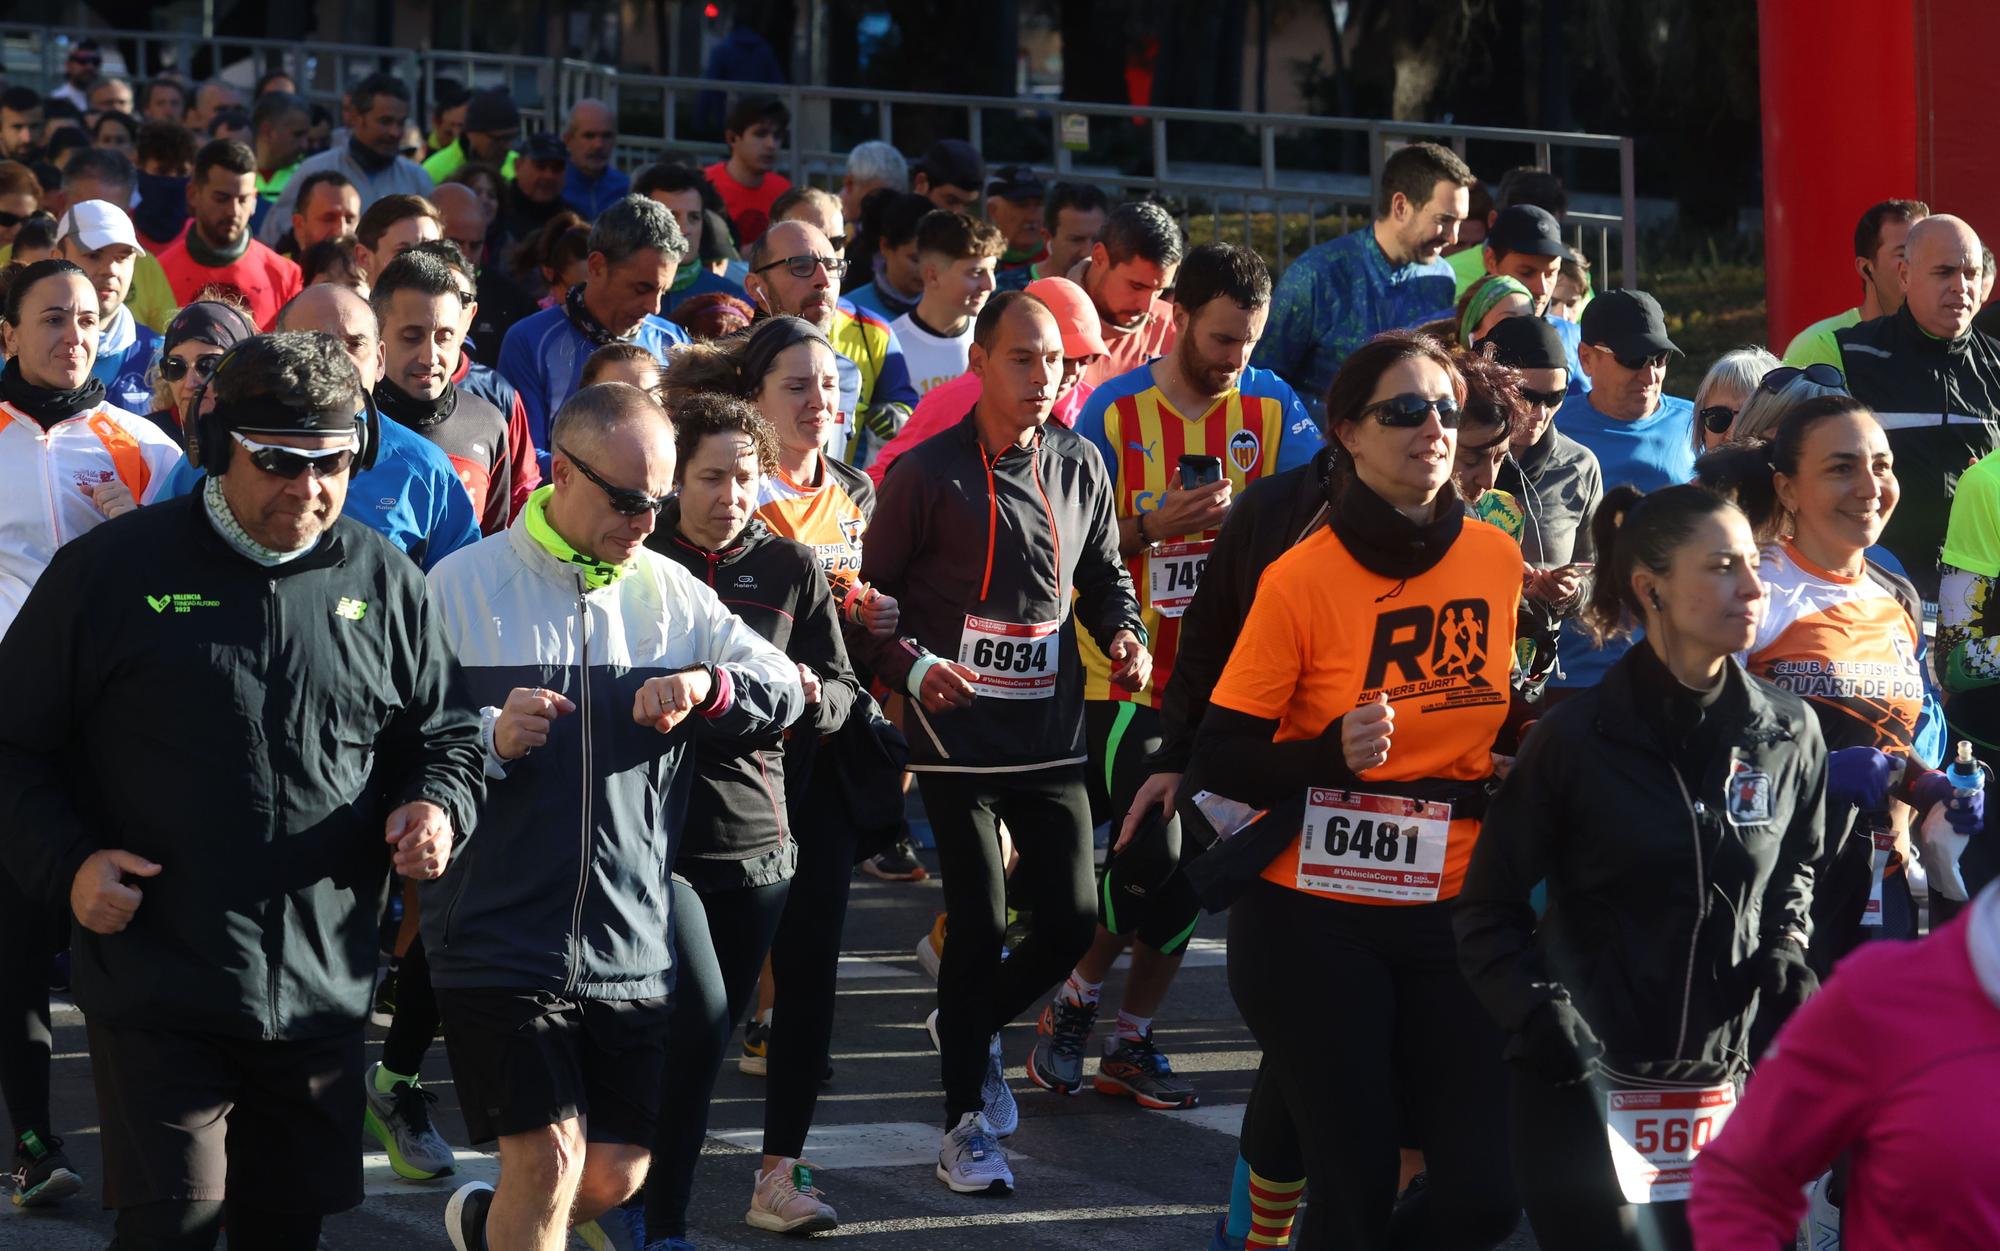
(1896, 1060)
(942, 407)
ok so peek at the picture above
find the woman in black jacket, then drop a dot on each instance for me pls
(1674, 811)
(733, 869)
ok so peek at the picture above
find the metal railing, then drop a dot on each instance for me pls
(1279, 205)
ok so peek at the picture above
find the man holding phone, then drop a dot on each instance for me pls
(1180, 436)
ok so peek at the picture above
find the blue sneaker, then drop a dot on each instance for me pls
(671, 1244)
(623, 1228)
(1221, 1241)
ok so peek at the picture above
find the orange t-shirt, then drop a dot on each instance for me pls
(1325, 636)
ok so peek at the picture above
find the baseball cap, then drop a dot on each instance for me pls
(954, 162)
(1526, 343)
(1016, 182)
(98, 224)
(1076, 316)
(1525, 228)
(1627, 322)
(492, 111)
(544, 146)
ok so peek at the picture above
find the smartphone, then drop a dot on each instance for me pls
(1199, 471)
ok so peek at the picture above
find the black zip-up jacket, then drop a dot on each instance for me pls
(1939, 401)
(956, 535)
(246, 728)
(738, 807)
(1671, 855)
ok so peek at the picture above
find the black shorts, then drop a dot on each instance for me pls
(525, 1059)
(193, 1116)
(1121, 736)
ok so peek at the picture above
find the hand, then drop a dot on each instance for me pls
(1364, 734)
(664, 703)
(947, 685)
(1157, 791)
(1558, 586)
(1131, 663)
(1555, 1043)
(98, 895)
(1967, 815)
(1784, 980)
(809, 681)
(112, 498)
(525, 718)
(1860, 776)
(421, 834)
(880, 615)
(1189, 510)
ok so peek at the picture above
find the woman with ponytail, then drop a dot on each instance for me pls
(1674, 811)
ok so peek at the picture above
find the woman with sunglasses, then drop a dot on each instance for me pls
(1673, 811)
(734, 866)
(1724, 390)
(196, 338)
(1359, 710)
(68, 461)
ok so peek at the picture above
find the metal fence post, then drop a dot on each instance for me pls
(1628, 202)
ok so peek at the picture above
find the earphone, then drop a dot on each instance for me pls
(212, 444)
(1654, 596)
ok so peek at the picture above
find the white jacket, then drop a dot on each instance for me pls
(43, 479)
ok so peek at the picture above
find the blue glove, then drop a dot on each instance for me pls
(1967, 815)
(1859, 776)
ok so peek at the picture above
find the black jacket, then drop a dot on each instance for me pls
(1939, 401)
(246, 728)
(737, 827)
(1662, 881)
(953, 537)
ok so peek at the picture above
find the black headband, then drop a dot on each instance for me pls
(267, 414)
(769, 338)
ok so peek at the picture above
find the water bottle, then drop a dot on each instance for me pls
(1942, 844)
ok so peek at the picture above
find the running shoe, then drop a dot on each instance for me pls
(898, 864)
(1822, 1223)
(672, 1244)
(383, 1011)
(465, 1216)
(755, 1060)
(1003, 1115)
(623, 1228)
(1220, 1239)
(1139, 1070)
(970, 1159)
(1056, 1063)
(785, 1201)
(930, 948)
(41, 1176)
(401, 1121)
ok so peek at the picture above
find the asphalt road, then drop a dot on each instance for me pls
(1093, 1172)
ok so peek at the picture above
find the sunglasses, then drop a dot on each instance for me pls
(10, 220)
(1402, 412)
(623, 499)
(85, 59)
(173, 368)
(1717, 418)
(1547, 399)
(1819, 373)
(290, 462)
(802, 265)
(1657, 360)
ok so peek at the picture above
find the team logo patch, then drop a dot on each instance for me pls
(1749, 797)
(1245, 451)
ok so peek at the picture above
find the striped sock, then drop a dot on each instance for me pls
(1080, 992)
(1133, 1028)
(1271, 1207)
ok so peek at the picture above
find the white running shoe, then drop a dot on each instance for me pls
(1003, 1115)
(465, 1216)
(970, 1159)
(1822, 1223)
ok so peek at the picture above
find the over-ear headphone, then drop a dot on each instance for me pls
(213, 445)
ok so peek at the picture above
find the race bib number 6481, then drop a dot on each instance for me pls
(1376, 846)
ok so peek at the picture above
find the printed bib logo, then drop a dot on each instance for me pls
(1416, 652)
(1245, 450)
(1749, 797)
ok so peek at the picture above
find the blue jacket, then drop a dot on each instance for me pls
(126, 351)
(1335, 298)
(591, 198)
(411, 497)
(543, 357)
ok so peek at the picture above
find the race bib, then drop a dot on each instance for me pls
(1374, 846)
(1010, 660)
(1885, 843)
(1173, 573)
(1656, 1134)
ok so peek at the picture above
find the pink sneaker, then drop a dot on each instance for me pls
(785, 1201)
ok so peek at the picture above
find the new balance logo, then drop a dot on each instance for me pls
(350, 609)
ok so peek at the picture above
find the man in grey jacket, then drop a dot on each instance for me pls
(596, 659)
(380, 107)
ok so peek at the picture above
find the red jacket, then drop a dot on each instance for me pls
(1896, 1061)
(266, 279)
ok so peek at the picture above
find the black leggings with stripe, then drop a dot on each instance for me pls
(1121, 736)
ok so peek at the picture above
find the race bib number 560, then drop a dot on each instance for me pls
(1375, 846)
(1656, 1134)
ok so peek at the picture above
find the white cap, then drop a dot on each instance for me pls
(98, 224)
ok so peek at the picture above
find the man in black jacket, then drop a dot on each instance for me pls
(981, 542)
(234, 714)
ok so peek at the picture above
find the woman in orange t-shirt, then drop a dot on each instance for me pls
(1363, 696)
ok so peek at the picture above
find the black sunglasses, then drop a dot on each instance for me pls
(623, 499)
(1410, 409)
(1547, 399)
(290, 462)
(173, 368)
(802, 265)
(1717, 418)
(1642, 362)
(1818, 373)
(10, 220)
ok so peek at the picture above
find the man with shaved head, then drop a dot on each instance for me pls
(798, 271)
(1934, 384)
(501, 301)
(995, 707)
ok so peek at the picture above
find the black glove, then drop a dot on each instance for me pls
(1784, 980)
(1555, 1043)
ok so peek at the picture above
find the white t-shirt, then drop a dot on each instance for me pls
(932, 359)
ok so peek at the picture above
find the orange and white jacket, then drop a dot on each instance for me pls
(44, 481)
